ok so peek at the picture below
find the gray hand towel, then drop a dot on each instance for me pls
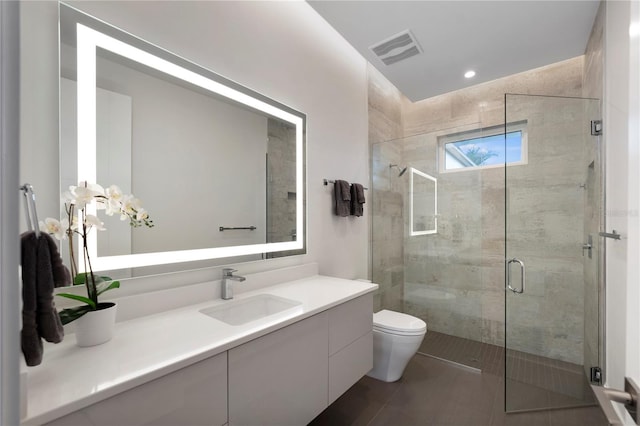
(50, 273)
(29, 338)
(357, 199)
(342, 195)
(42, 270)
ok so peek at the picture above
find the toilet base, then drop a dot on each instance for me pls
(384, 377)
(391, 354)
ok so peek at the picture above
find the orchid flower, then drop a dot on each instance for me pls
(76, 199)
(113, 202)
(84, 195)
(142, 215)
(58, 228)
(93, 221)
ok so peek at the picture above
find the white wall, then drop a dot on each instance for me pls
(281, 49)
(39, 103)
(9, 288)
(623, 199)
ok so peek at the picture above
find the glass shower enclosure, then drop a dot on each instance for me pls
(490, 233)
(552, 224)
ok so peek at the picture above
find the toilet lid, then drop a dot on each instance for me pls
(398, 323)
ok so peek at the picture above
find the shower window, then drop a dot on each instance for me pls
(483, 148)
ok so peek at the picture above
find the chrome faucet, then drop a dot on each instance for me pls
(227, 277)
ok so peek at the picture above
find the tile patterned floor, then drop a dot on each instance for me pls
(437, 392)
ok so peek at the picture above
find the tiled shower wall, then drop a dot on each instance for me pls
(455, 279)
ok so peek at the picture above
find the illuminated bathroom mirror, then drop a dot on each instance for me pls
(220, 168)
(423, 193)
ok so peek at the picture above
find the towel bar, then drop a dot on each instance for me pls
(328, 181)
(225, 228)
(628, 397)
(30, 208)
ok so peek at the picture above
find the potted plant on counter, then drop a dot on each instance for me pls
(95, 320)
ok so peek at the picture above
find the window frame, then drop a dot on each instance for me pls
(479, 133)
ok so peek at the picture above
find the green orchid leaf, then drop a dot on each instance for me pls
(71, 314)
(105, 286)
(81, 278)
(79, 298)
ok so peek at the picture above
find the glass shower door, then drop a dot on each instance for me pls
(552, 250)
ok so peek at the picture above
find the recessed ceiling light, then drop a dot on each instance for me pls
(470, 74)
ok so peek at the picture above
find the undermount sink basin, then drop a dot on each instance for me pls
(242, 311)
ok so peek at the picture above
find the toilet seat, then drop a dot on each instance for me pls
(398, 323)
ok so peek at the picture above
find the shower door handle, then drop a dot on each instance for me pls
(521, 263)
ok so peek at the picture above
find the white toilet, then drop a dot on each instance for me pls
(396, 338)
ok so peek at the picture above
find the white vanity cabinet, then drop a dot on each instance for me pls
(194, 395)
(285, 377)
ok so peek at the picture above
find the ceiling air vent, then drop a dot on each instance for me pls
(396, 48)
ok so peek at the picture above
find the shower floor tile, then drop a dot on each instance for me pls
(565, 384)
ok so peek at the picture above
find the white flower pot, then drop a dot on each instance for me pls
(96, 327)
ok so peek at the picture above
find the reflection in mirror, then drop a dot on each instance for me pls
(423, 194)
(219, 167)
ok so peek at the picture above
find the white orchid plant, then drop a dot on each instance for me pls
(77, 221)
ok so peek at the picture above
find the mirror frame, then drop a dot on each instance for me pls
(412, 232)
(92, 34)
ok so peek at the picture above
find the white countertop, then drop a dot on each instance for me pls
(143, 349)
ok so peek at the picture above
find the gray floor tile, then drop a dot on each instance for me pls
(394, 416)
(536, 418)
(437, 393)
(359, 405)
(522, 396)
(588, 416)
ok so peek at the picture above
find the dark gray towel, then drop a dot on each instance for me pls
(42, 270)
(342, 196)
(29, 337)
(357, 199)
(51, 273)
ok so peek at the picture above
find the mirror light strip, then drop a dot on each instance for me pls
(88, 40)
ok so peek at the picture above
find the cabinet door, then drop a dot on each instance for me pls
(194, 395)
(348, 365)
(281, 378)
(350, 321)
(350, 344)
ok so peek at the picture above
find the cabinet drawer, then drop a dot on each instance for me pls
(350, 321)
(348, 365)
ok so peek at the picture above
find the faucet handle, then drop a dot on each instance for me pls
(227, 272)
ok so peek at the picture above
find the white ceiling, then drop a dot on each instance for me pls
(494, 38)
